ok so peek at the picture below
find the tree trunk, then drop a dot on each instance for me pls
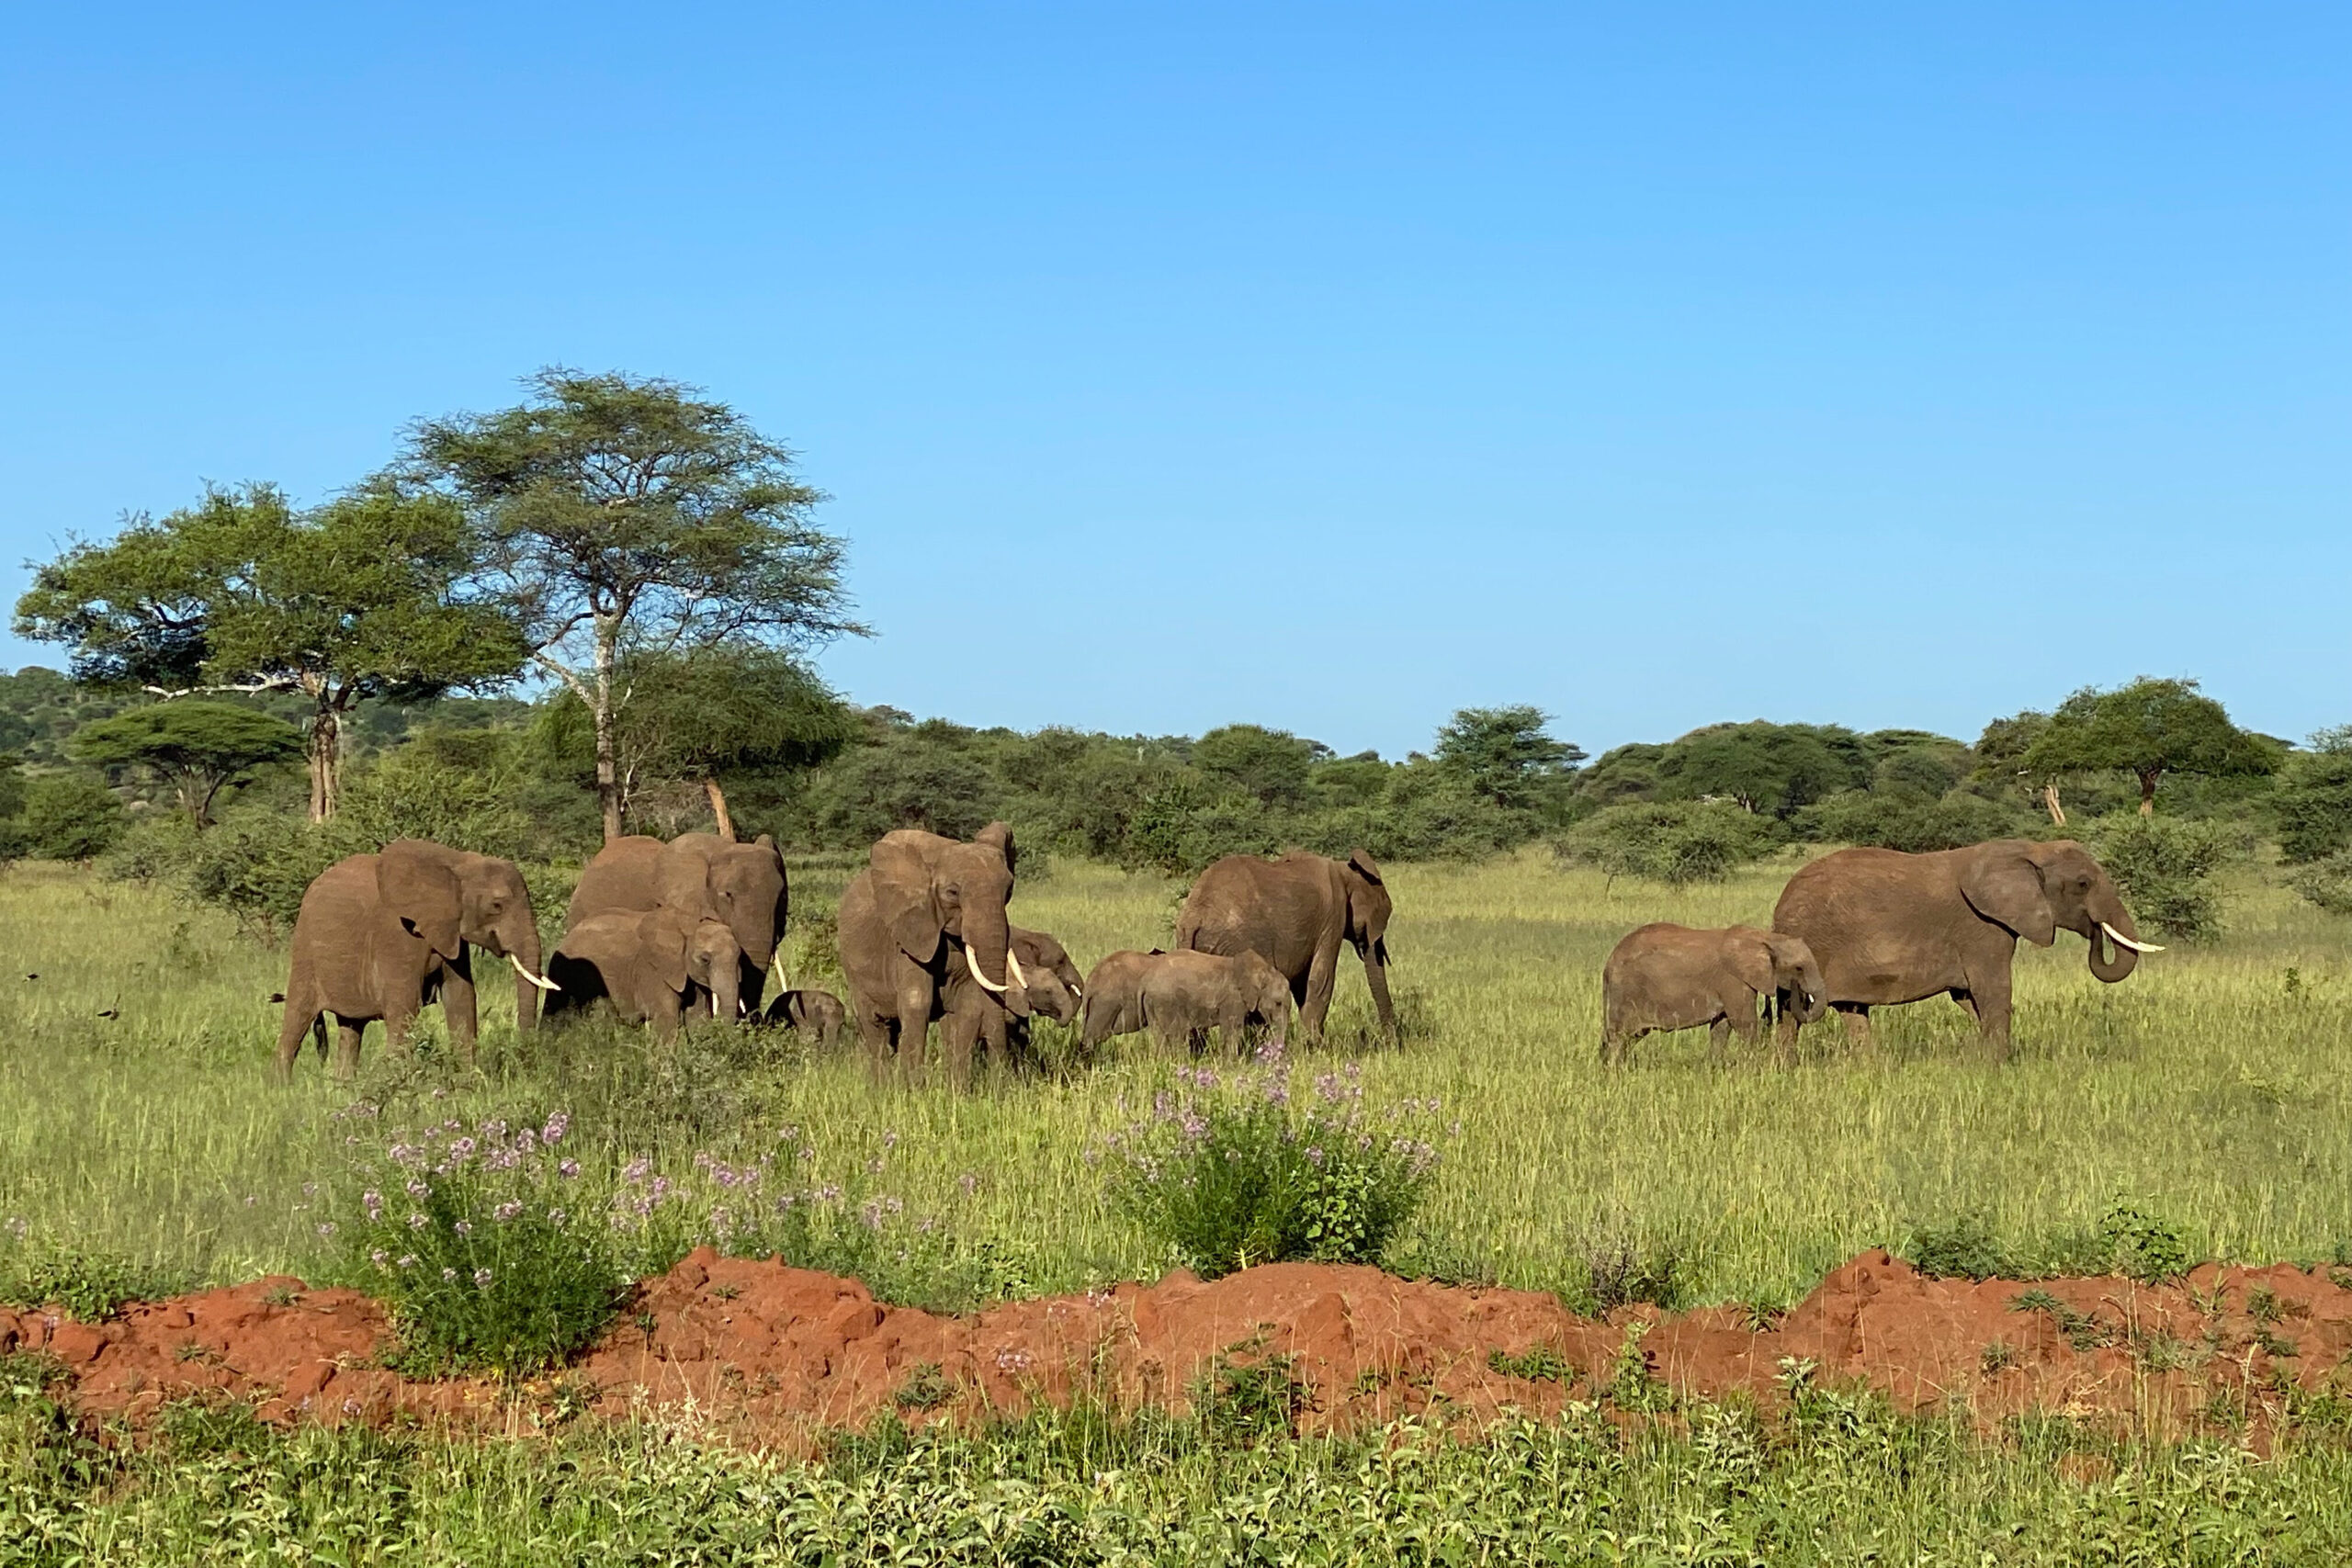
(608, 785)
(325, 759)
(2148, 794)
(2050, 803)
(726, 824)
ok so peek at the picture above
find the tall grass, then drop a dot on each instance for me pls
(2210, 1087)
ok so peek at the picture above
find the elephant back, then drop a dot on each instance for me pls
(618, 878)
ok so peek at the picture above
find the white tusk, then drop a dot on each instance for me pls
(1077, 993)
(540, 981)
(2122, 940)
(971, 962)
(1012, 967)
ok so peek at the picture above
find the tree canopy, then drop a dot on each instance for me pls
(2148, 728)
(194, 746)
(619, 513)
(1506, 755)
(364, 597)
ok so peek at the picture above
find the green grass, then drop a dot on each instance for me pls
(2204, 1088)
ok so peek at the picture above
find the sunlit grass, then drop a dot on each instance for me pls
(2207, 1086)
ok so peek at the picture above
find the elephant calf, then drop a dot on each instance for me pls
(816, 1014)
(1043, 983)
(1180, 996)
(1668, 977)
(651, 967)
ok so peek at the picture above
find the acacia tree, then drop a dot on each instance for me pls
(623, 514)
(2002, 752)
(2147, 728)
(1506, 755)
(196, 748)
(364, 597)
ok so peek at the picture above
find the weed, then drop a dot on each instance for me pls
(1624, 1268)
(1634, 1382)
(27, 1374)
(86, 1284)
(2143, 1245)
(1247, 1395)
(2082, 1330)
(926, 1388)
(1538, 1363)
(726, 1293)
(1964, 1248)
(2274, 1344)
(208, 1424)
(1996, 1358)
(280, 1296)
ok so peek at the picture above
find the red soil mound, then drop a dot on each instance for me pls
(774, 1355)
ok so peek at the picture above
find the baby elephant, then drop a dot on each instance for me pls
(1667, 976)
(653, 966)
(816, 1014)
(1180, 996)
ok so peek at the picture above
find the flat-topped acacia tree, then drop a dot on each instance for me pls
(2148, 728)
(617, 512)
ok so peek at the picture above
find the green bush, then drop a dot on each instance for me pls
(69, 817)
(2312, 805)
(478, 1244)
(1231, 1172)
(2166, 867)
(37, 1271)
(1960, 1249)
(2326, 882)
(1913, 823)
(1673, 841)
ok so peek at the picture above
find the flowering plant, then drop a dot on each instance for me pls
(472, 1238)
(1228, 1170)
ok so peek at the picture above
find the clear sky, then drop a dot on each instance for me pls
(1326, 366)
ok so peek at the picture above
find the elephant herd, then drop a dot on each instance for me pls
(659, 931)
(1868, 927)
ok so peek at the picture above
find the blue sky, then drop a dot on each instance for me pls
(1326, 366)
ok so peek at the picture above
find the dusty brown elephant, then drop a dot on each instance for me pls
(703, 875)
(1890, 928)
(1668, 977)
(1046, 984)
(654, 967)
(380, 935)
(817, 1014)
(921, 900)
(1295, 912)
(1180, 996)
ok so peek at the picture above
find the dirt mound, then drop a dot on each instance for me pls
(775, 1355)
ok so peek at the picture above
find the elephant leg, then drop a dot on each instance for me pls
(958, 1032)
(1321, 978)
(458, 1008)
(1743, 1014)
(915, 997)
(1784, 1037)
(1990, 996)
(397, 1018)
(1718, 1037)
(664, 1010)
(348, 1035)
(302, 1018)
(318, 1037)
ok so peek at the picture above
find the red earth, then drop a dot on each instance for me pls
(775, 1356)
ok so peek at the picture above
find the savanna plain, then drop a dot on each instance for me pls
(139, 1123)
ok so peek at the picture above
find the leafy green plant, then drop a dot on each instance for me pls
(2326, 883)
(2143, 1245)
(2166, 867)
(1228, 1172)
(926, 1388)
(1964, 1248)
(1623, 1265)
(1247, 1395)
(84, 1283)
(2083, 1330)
(472, 1238)
(1673, 841)
(1537, 1363)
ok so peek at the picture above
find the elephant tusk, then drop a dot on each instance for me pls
(1012, 967)
(972, 963)
(783, 981)
(541, 981)
(2122, 940)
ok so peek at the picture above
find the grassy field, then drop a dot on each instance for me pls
(138, 1115)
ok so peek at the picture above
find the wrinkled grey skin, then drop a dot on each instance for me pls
(1668, 977)
(817, 1014)
(971, 1016)
(701, 874)
(380, 935)
(1180, 996)
(1891, 928)
(922, 902)
(1295, 912)
(654, 966)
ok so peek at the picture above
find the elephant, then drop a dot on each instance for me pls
(816, 1014)
(1295, 912)
(653, 966)
(1890, 928)
(380, 935)
(703, 874)
(922, 902)
(1668, 977)
(1180, 996)
(971, 1016)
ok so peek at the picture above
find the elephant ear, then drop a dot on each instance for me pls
(904, 896)
(663, 938)
(1360, 860)
(2002, 883)
(417, 884)
(1751, 963)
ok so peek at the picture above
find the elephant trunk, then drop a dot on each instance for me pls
(726, 991)
(2114, 962)
(988, 944)
(1812, 999)
(1375, 974)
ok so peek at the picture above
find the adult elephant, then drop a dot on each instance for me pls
(1045, 984)
(1295, 912)
(924, 900)
(1889, 928)
(380, 935)
(702, 876)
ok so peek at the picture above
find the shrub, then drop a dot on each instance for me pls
(2326, 882)
(2312, 805)
(1675, 842)
(1897, 821)
(70, 816)
(1621, 1266)
(87, 1285)
(1229, 1173)
(476, 1242)
(1961, 1248)
(2165, 866)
